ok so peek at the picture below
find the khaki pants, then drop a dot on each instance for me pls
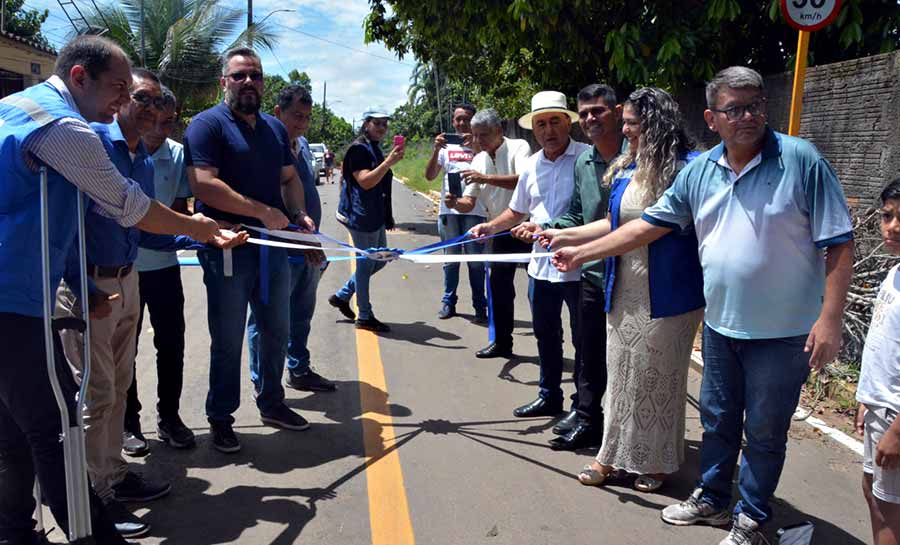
(112, 369)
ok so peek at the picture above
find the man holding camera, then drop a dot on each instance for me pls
(452, 155)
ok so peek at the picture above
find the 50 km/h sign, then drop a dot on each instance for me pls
(810, 15)
(806, 16)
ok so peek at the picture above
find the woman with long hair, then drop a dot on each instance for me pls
(654, 301)
(365, 210)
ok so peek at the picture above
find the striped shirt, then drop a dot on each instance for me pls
(70, 147)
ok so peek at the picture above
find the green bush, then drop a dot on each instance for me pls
(412, 167)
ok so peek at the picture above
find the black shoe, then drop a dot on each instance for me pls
(283, 417)
(481, 317)
(175, 433)
(342, 306)
(566, 424)
(538, 407)
(447, 311)
(224, 439)
(310, 381)
(134, 444)
(372, 324)
(135, 488)
(126, 523)
(494, 350)
(581, 436)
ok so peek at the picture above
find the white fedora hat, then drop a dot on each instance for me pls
(545, 102)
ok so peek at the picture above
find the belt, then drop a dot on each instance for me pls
(109, 272)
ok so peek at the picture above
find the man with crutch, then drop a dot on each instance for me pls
(46, 126)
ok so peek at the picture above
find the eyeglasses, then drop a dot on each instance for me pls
(379, 122)
(241, 76)
(737, 112)
(147, 101)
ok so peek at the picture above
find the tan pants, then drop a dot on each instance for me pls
(112, 369)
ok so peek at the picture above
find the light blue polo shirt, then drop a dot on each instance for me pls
(171, 182)
(762, 236)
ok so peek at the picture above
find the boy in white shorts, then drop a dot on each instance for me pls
(879, 389)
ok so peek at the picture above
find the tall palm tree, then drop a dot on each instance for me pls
(183, 39)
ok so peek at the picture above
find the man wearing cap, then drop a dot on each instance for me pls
(543, 193)
(365, 210)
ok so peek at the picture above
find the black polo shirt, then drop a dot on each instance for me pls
(249, 159)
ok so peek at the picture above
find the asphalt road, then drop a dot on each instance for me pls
(418, 445)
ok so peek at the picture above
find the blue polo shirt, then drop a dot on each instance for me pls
(249, 159)
(762, 234)
(108, 243)
(170, 182)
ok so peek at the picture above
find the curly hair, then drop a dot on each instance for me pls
(662, 144)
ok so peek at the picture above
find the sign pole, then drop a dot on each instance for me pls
(799, 78)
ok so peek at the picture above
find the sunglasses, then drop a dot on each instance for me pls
(242, 76)
(147, 101)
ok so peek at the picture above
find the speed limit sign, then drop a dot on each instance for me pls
(810, 15)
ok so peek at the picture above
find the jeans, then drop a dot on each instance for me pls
(451, 226)
(547, 299)
(304, 281)
(29, 434)
(227, 300)
(163, 296)
(358, 283)
(590, 366)
(502, 278)
(750, 387)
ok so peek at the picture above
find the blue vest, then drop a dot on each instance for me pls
(673, 262)
(21, 115)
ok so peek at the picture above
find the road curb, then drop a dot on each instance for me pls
(417, 192)
(801, 413)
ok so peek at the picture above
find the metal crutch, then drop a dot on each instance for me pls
(77, 499)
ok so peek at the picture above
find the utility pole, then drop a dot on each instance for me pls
(143, 49)
(249, 19)
(3, 17)
(437, 88)
(324, 116)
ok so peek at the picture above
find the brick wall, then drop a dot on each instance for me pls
(851, 112)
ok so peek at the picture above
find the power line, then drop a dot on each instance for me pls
(332, 42)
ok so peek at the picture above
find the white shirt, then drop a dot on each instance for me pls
(543, 192)
(510, 158)
(456, 158)
(879, 380)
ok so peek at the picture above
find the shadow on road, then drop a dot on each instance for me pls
(422, 333)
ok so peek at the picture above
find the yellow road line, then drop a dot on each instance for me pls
(389, 518)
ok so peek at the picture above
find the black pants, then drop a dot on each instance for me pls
(503, 289)
(163, 296)
(30, 431)
(590, 367)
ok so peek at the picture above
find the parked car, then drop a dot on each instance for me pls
(318, 151)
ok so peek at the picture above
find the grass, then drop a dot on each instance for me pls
(412, 167)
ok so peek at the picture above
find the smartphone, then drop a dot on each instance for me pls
(453, 138)
(796, 534)
(454, 184)
(399, 140)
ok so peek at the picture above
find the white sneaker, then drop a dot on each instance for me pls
(693, 511)
(744, 531)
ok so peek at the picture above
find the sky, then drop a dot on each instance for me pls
(324, 38)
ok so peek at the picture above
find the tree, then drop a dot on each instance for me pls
(301, 79)
(25, 22)
(184, 40)
(565, 44)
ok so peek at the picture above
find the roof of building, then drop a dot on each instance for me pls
(29, 42)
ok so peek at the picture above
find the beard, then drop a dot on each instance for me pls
(245, 101)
